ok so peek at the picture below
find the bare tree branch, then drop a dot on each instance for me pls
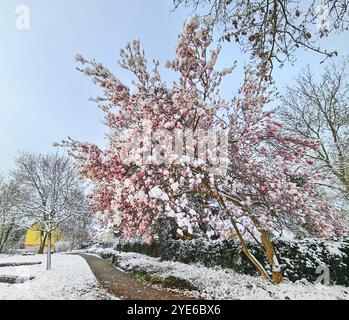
(272, 30)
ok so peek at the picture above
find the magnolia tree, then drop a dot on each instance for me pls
(174, 147)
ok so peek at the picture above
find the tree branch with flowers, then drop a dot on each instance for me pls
(144, 174)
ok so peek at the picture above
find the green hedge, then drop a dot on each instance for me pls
(299, 258)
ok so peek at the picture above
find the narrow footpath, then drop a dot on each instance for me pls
(123, 285)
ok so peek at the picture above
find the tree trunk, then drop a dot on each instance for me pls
(48, 266)
(1, 242)
(72, 242)
(270, 253)
(43, 237)
(267, 246)
(244, 247)
(249, 255)
(5, 238)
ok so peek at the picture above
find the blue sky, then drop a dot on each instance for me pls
(43, 99)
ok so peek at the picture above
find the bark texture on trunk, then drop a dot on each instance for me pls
(273, 261)
(48, 266)
(43, 237)
(4, 237)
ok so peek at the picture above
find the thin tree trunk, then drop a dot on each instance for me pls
(72, 243)
(249, 255)
(245, 249)
(1, 242)
(48, 266)
(5, 238)
(43, 238)
(270, 253)
(267, 246)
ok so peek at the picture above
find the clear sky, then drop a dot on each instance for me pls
(43, 99)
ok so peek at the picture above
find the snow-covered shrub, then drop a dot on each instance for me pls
(298, 258)
(221, 284)
(104, 253)
(302, 258)
(153, 250)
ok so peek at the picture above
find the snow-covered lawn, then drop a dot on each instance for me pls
(221, 283)
(70, 279)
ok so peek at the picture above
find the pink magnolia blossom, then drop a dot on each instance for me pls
(266, 186)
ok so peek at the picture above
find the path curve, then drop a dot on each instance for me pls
(123, 285)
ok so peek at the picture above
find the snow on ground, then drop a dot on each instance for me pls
(70, 279)
(221, 283)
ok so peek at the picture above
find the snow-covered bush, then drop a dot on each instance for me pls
(217, 283)
(299, 259)
(104, 253)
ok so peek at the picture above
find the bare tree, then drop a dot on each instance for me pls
(51, 193)
(9, 192)
(319, 110)
(76, 230)
(272, 30)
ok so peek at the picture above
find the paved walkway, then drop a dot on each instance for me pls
(123, 285)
